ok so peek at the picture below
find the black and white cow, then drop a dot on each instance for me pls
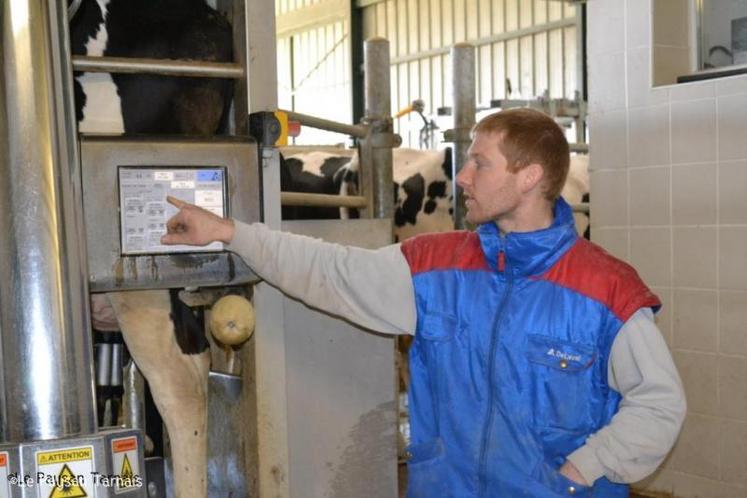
(160, 333)
(422, 186)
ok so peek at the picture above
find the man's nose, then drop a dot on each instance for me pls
(463, 178)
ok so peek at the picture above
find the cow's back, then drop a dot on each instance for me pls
(149, 104)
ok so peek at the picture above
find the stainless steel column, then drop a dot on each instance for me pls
(463, 89)
(378, 115)
(45, 346)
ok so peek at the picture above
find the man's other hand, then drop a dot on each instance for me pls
(569, 471)
(195, 226)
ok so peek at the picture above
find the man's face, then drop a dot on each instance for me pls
(491, 192)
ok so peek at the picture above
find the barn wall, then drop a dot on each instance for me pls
(314, 63)
(669, 169)
(531, 43)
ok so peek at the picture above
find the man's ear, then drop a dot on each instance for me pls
(531, 177)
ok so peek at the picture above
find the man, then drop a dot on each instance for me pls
(537, 369)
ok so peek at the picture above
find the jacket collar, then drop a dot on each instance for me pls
(530, 253)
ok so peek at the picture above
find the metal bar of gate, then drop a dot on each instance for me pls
(463, 96)
(322, 200)
(357, 131)
(378, 114)
(164, 67)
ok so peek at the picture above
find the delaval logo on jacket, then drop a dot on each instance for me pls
(509, 362)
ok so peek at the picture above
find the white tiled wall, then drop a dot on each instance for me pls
(669, 195)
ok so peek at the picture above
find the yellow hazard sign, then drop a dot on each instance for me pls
(126, 458)
(65, 473)
(67, 485)
(126, 468)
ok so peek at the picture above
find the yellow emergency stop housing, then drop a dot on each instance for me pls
(283, 120)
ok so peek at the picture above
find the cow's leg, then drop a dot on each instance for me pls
(178, 382)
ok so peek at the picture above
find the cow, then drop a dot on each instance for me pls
(163, 337)
(422, 186)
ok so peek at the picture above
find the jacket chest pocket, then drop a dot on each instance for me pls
(561, 382)
(438, 327)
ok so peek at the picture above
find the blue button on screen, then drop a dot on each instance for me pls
(209, 175)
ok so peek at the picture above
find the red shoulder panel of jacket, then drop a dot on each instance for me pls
(589, 270)
(458, 250)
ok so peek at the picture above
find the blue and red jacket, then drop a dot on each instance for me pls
(509, 362)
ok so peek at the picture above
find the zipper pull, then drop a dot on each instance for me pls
(501, 261)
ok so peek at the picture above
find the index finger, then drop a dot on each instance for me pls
(178, 203)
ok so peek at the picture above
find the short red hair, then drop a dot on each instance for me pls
(529, 137)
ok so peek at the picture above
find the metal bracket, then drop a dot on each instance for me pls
(385, 140)
(458, 135)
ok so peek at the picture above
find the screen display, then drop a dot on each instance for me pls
(144, 211)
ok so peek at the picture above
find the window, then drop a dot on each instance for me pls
(720, 38)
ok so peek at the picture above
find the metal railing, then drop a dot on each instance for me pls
(357, 131)
(163, 67)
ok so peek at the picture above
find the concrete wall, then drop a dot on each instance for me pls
(668, 179)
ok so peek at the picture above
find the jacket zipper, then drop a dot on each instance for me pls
(487, 428)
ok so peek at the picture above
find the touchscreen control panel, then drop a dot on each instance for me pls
(144, 211)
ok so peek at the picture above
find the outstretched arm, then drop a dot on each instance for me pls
(371, 288)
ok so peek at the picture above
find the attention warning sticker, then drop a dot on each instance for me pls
(126, 463)
(65, 473)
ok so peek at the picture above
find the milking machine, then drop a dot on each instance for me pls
(87, 216)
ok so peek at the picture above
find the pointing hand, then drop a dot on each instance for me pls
(195, 226)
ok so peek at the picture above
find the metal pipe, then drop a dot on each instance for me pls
(46, 366)
(378, 114)
(321, 200)
(173, 67)
(116, 365)
(463, 96)
(103, 364)
(357, 131)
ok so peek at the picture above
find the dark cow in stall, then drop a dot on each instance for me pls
(145, 104)
(161, 334)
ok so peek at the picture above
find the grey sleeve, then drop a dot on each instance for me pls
(651, 411)
(372, 288)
